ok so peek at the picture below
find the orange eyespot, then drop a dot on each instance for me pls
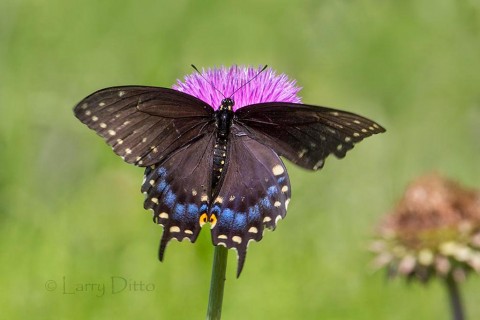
(213, 220)
(203, 219)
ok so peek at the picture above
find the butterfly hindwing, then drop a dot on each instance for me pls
(253, 194)
(178, 190)
(142, 124)
(305, 134)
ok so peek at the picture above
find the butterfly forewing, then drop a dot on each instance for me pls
(305, 134)
(144, 125)
(178, 190)
(254, 194)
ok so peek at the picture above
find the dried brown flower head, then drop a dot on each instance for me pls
(434, 230)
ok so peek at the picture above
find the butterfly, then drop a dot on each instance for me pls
(219, 167)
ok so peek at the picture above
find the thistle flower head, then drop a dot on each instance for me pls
(434, 230)
(266, 87)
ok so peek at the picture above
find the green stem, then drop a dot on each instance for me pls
(217, 283)
(455, 298)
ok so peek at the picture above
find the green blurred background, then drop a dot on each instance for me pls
(71, 211)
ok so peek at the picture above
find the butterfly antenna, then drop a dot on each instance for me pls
(211, 83)
(243, 85)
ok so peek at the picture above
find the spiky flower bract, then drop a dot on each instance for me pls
(433, 231)
(266, 87)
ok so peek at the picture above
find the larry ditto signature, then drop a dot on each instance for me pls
(114, 285)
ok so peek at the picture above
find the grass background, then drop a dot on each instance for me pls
(71, 211)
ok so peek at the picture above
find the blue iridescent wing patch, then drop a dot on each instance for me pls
(178, 191)
(254, 194)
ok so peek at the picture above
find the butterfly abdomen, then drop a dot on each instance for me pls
(223, 123)
(219, 159)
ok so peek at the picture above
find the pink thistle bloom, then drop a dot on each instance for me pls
(266, 87)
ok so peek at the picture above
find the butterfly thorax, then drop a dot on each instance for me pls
(223, 122)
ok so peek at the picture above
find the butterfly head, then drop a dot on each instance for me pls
(227, 104)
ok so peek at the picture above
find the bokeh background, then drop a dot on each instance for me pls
(71, 211)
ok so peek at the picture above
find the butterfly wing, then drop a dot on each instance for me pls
(178, 190)
(305, 134)
(252, 195)
(143, 124)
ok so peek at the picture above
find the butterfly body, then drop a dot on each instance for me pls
(223, 122)
(220, 167)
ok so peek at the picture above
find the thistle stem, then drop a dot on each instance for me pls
(455, 298)
(217, 283)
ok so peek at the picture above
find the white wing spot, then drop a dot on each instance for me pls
(204, 198)
(278, 170)
(194, 192)
(371, 128)
(277, 204)
(84, 106)
(357, 122)
(334, 113)
(151, 182)
(284, 189)
(144, 140)
(364, 130)
(339, 147)
(126, 122)
(302, 153)
(174, 229)
(356, 134)
(348, 139)
(286, 203)
(376, 126)
(222, 236)
(253, 230)
(163, 215)
(222, 244)
(88, 113)
(318, 165)
(101, 104)
(128, 151)
(103, 125)
(121, 93)
(94, 118)
(267, 219)
(119, 141)
(237, 239)
(279, 217)
(188, 231)
(231, 198)
(111, 132)
(154, 200)
(219, 200)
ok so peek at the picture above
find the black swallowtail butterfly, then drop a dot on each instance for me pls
(221, 167)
